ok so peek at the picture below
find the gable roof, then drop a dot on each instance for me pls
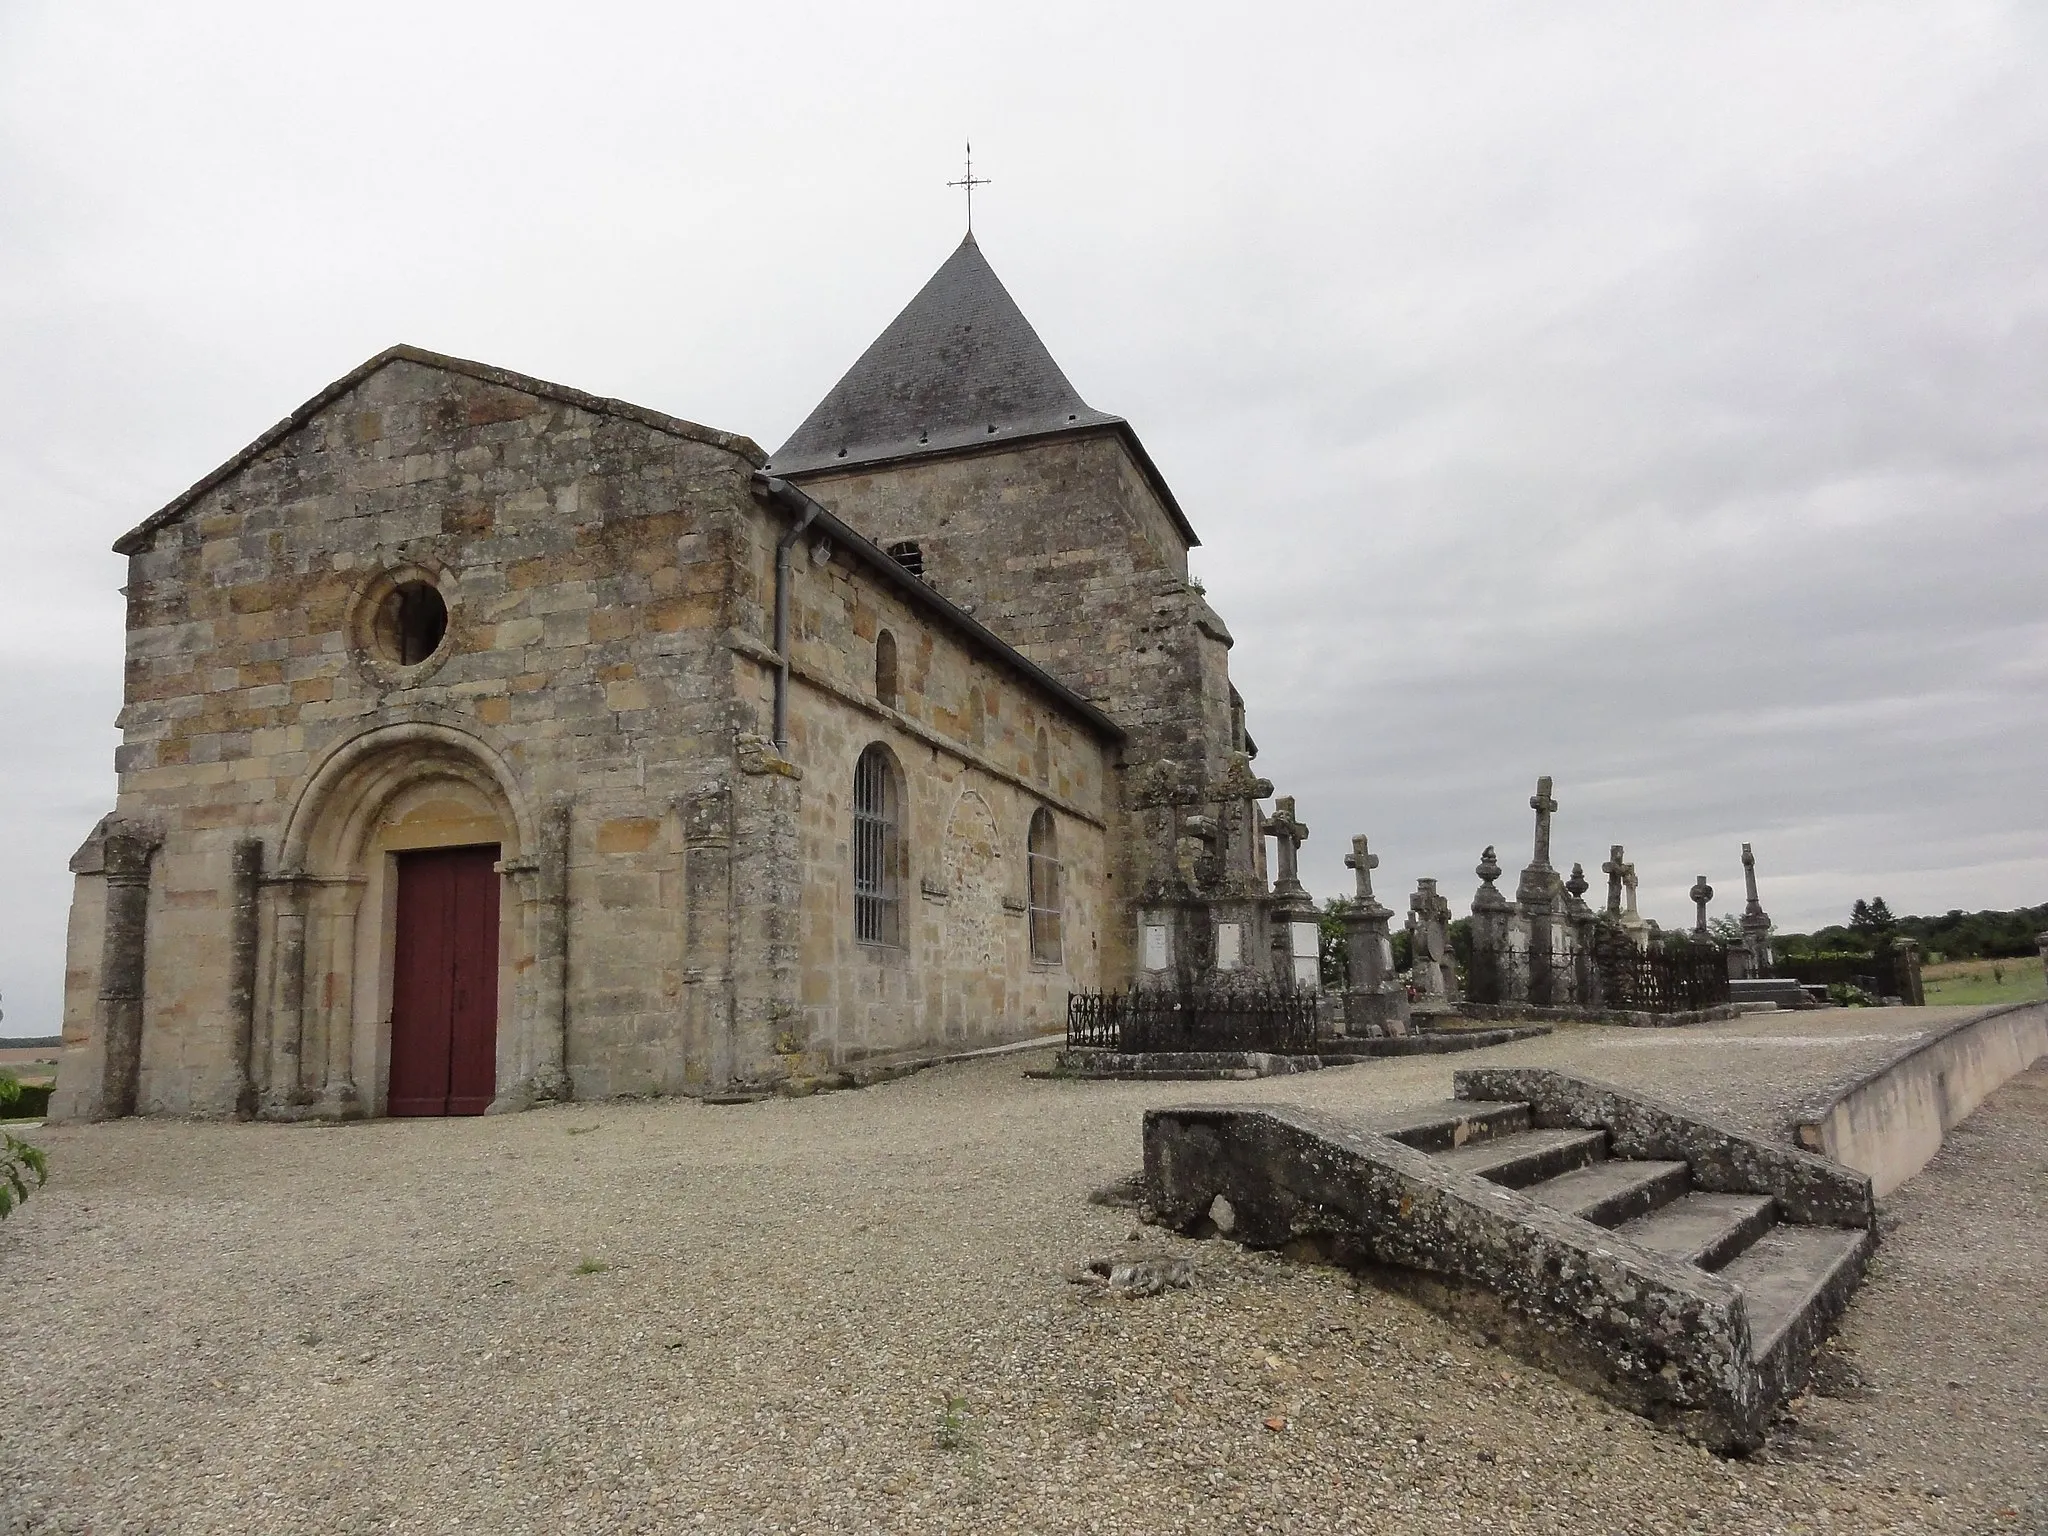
(732, 442)
(959, 369)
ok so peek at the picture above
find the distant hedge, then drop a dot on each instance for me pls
(32, 1100)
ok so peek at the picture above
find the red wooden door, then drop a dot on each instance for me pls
(444, 995)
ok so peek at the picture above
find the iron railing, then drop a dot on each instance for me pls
(1661, 980)
(1279, 1019)
(1614, 976)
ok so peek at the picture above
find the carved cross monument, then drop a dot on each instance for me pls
(1756, 922)
(1364, 862)
(1374, 1002)
(1701, 894)
(1544, 807)
(1290, 834)
(1613, 869)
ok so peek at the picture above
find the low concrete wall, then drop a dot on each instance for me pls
(1890, 1121)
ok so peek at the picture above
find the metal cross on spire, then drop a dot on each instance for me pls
(969, 182)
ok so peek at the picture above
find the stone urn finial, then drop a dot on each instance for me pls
(1489, 866)
(1577, 885)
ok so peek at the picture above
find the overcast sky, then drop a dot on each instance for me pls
(1651, 396)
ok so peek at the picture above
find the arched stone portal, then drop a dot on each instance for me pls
(383, 812)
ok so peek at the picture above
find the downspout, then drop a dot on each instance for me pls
(790, 499)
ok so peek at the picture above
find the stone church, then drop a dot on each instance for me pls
(485, 742)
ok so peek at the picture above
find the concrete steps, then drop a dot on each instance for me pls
(1609, 1192)
(1526, 1157)
(1703, 1229)
(1797, 1280)
(1683, 1269)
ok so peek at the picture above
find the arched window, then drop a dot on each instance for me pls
(1042, 866)
(877, 848)
(885, 668)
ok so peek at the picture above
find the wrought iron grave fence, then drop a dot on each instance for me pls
(1278, 1019)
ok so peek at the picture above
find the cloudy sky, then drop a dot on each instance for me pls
(1651, 396)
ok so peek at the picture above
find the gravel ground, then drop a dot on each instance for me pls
(666, 1316)
(1939, 1380)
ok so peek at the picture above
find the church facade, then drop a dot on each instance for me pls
(486, 743)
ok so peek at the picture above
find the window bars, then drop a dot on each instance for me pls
(875, 857)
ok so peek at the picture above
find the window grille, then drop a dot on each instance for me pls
(1042, 865)
(875, 849)
(908, 555)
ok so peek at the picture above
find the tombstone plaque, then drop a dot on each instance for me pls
(1307, 946)
(1229, 946)
(1155, 947)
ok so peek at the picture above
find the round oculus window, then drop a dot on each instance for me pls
(409, 624)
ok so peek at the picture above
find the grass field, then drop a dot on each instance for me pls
(1978, 982)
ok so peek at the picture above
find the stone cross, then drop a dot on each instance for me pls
(1753, 908)
(1365, 863)
(1290, 834)
(1701, 894)
(1545, 808)
(1613, 869)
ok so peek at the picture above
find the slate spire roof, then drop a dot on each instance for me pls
(961, 366)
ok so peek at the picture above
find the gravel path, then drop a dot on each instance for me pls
(1939, 1380)
(672, 1316)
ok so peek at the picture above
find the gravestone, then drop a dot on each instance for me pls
(1493, 980)
(1539, 900)
(1756, 923)
(1375, 1003)
(1432, 969)
(1582, 921)
(1296, 960)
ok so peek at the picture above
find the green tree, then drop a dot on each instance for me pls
(19, 1162)
(1330, 951)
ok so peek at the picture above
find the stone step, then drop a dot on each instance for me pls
(1524, 1157)
(1608, 1193)
(1796, 1280)
(1451, 1124)
(1703, 1228)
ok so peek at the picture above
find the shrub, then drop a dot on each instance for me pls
(19, 1162)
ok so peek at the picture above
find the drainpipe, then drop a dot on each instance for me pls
(790, 499)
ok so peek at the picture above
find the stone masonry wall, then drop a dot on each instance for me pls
(1062, 548)
(671, 889)
(585, 559)
(978, 751)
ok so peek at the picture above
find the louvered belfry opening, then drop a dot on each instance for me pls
(1042, 860)
(908, 554)
(876, 849)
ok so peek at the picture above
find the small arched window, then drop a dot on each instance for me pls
(885, 668)
(877, 848)
(1042, 866)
